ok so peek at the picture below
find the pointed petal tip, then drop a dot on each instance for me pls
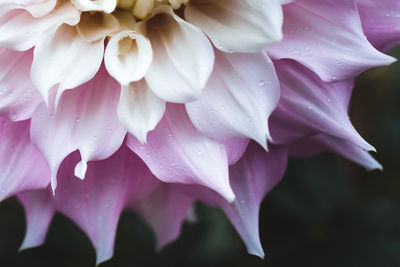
(257, 250)
(80, 169)
(375, 165)
(103, 256)
(264, 141)
(25, 246)
(229, 195)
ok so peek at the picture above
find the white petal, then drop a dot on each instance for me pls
(128, 56)
(20, 31)
(94, 27)
(238, 25)
(183, 57)
(238, 99)
(139, 109)
(65, 59)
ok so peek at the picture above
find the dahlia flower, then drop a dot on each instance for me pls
(156, 104)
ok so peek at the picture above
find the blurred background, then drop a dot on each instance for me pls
(326, 211)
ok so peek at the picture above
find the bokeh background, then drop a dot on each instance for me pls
(326, 211)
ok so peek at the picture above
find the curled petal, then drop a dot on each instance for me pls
(183, 57)
(238, 25)
(95, 26)
(128, 56)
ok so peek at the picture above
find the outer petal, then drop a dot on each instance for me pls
(381, 22)
(86, 120)
(65, 59)
(256, 173)
(327, 37)
(95, 204)
(37, 8)
(128, 56)
(183, 57)
(21, 164)
(165, 210)
(238, 25)
(18, 97)
(238, 99)
(176, 153)
(39, 211)
(321, 142)
(139, 109)
(20, 31)
(309, 106)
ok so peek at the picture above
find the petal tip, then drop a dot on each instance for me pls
(80, 169)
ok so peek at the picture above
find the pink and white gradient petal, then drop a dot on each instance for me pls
(85, 120)
(177, 153)
(381, 22)
(327, 37)
(18, 96)
(239, 97)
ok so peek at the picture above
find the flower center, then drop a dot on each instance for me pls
(143, 8)
(140, 9)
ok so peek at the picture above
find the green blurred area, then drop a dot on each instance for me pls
(326, 212)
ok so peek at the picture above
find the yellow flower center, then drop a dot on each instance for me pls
(143, 8)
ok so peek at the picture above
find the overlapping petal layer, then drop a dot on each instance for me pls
(154, 105)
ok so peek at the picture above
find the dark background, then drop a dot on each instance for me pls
(326, 212)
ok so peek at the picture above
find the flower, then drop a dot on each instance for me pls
(153, 103)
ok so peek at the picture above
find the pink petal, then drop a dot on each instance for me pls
(251, 179)
(381, 22)
(238, 99)
(94, 204)
(327, 37)
(39, 211)
(38, 8)
(86, 119)
(321, 142)
(165, 210)
(309, 106)
(18, 97)
(177, 153)
(21, 164)
(19, 30)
